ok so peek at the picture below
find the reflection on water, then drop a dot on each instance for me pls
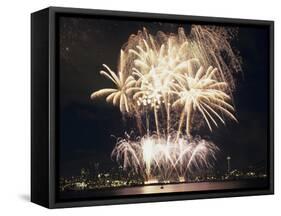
(152, 189)
(189, 187)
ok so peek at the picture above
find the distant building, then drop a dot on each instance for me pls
(228, 164)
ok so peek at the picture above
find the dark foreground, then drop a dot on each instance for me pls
(168, 188)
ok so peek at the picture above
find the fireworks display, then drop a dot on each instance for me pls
(172, 84)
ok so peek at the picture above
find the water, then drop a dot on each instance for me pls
(168, 188)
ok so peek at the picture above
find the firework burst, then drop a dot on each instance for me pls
(202, 92)
(153, 156)
(124, 86)
(173, 78)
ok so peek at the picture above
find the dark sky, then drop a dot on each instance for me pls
(86, 126)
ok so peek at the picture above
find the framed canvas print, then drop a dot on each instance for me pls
(139, 107)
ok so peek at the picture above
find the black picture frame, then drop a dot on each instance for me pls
(44, 89)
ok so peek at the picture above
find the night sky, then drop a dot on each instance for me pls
(86, 126)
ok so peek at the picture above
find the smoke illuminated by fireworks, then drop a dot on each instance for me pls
(169, 81)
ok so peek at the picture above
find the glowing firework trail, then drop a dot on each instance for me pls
(184, 77)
